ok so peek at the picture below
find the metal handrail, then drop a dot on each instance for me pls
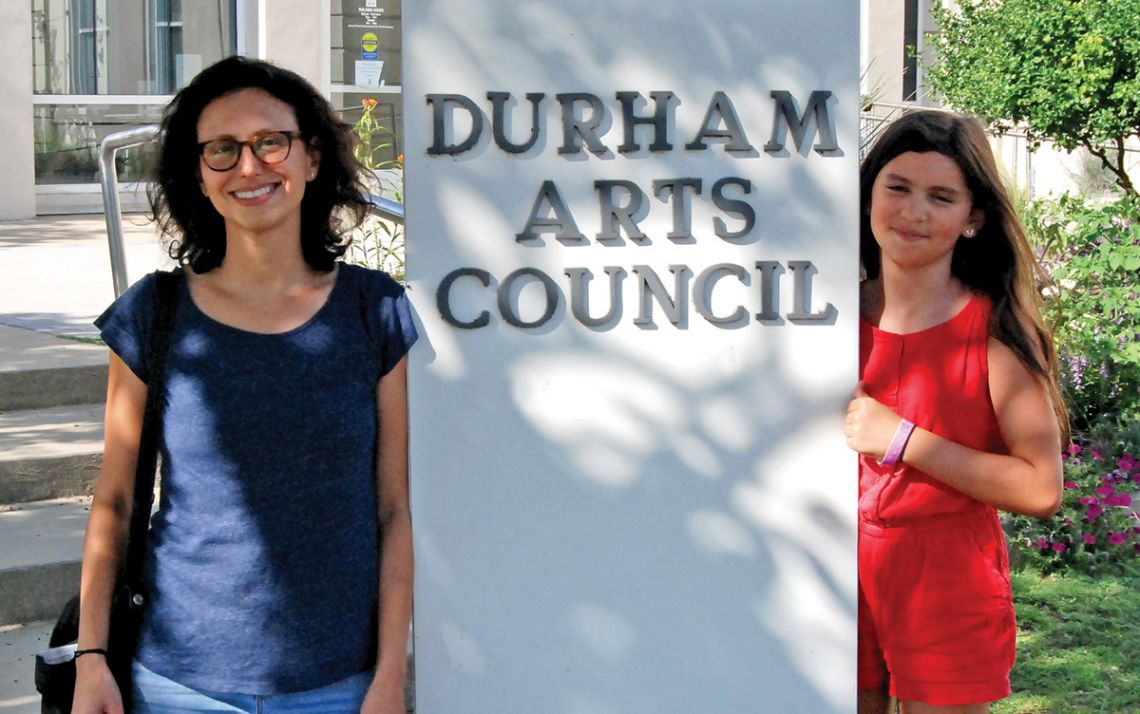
(113, 214)
(109, 181)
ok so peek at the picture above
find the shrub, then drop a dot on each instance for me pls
(1097, 531)
(1093, 254)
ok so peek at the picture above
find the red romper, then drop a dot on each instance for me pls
(934, 596)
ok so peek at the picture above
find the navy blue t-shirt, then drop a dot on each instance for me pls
(263, 558)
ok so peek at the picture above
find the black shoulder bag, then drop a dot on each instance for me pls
(56, 681)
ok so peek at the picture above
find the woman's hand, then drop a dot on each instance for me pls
(383, 699)
(96, 691)
(870, 426)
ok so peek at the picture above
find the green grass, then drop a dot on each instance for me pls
(1078, 645)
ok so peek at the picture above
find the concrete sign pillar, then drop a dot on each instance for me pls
(632, 247)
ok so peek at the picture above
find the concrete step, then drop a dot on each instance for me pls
(40, 370)
(18, 647)
(39, 564)
(50, 453)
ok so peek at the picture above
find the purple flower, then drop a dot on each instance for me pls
(1126, 462)
(1105, 490)
(1089, 500)
(1060, 547)
(1116, 538)
(1093, 513)
(1088, 538)
(1070, 484)
(1042, 543)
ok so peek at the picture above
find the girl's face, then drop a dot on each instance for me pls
(255, 195)
(920, 207)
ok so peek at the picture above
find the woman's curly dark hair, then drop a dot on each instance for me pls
(186, 217)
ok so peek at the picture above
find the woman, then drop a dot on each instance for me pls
(279, 561)
(957, 415)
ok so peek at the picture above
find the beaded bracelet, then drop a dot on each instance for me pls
(898, 443)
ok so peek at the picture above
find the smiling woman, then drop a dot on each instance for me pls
(279, 561)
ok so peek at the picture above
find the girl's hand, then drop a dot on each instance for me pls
(96, 691)
(870, 426)
(383, 699)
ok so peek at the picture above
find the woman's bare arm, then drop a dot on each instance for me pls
(107, 525)
(396, 561)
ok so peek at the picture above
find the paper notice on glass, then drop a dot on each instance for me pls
(368, 73)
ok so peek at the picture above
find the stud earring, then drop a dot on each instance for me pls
(970, 233)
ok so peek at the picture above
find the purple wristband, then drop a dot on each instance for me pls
(898, 443)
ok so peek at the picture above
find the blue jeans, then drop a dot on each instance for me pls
(155, 694)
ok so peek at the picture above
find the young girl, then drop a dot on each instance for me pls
(957, 414)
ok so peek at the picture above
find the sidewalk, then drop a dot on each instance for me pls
(55, 279)
(55, 271)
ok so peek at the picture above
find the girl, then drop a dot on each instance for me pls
(281, 553)
(957, 414)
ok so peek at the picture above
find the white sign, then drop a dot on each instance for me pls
(633, 247)
(368, 73)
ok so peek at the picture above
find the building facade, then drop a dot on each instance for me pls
(82, 69)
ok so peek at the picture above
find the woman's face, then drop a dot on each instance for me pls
(255, 195)
(920, 207)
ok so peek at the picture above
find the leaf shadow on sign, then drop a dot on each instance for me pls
(630, 522)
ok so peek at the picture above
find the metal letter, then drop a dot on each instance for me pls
(770, 271)
(703, 287)
(443, 298)
(625, 215)
(580, 295)
(721, 106)
(802, 270)
(499, 120)
(734, 207)
(561, 223)
(440, 124)
(682, 217)
(585, 128)
(650, 287)
(507, 308)
(787, 115)
(659, 121)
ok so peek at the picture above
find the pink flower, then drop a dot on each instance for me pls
(1088, 538)
(1068, 521)
(1060, 547)
(1126, 462)
(1119, 499)
(1070, 484)
(1042, 543)
(1093, 513)
(1096, 455)
(1105, 490)
(1116, 538)
(1089, 500)
(1136, 477)
(1072, 450)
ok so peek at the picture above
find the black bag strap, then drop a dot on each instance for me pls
(166, 304)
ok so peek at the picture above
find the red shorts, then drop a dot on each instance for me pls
(935, 609)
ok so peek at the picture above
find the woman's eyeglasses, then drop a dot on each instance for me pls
(270, 148)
